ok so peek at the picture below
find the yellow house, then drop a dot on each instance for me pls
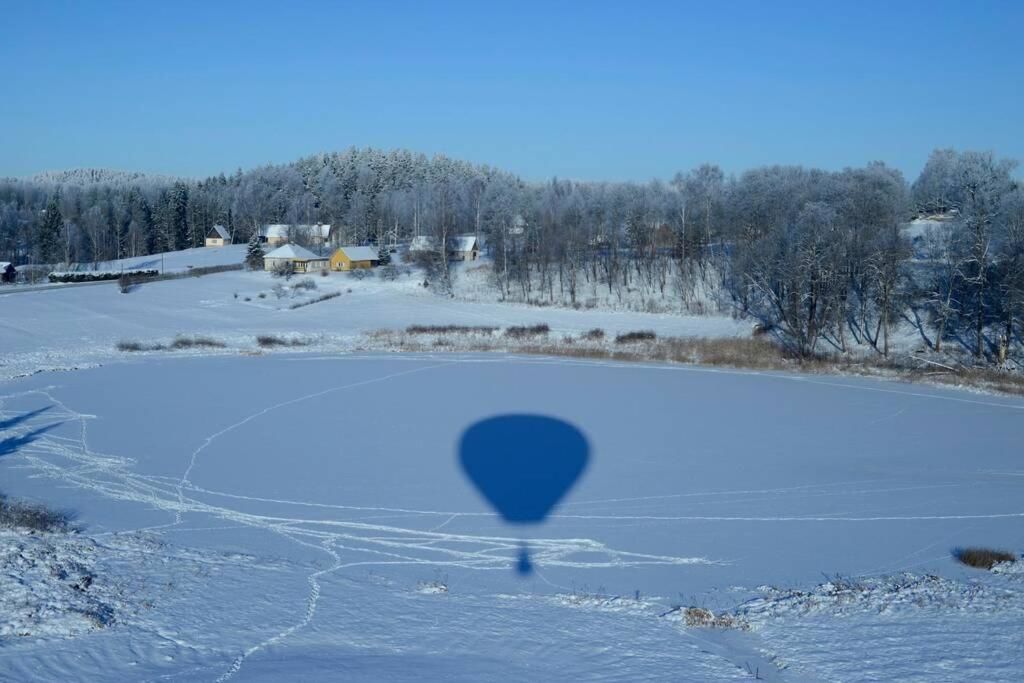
(350, 258)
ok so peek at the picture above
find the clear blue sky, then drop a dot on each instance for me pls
(591, 90)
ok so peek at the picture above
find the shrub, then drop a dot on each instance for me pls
(524, 331)
(262, 295)
(283, 269)
(32, 516)
(305, 283)
(130, 346)
(596, 334)
(389, 272)
(249, 298)
(279, 291)
(270, 341)
(125, 283)
(636, 336)
(983, 558)
(324, 272)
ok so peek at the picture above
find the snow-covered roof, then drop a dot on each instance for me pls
(4, 265)
(220, 231)
(422, 243)
(276, 230)
(281, 230)
(360, 253)
(455, 243)
(294, 251)
(463, 243)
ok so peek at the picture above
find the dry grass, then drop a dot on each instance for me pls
(699, 617)
(983, 558)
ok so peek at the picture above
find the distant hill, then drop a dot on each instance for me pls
(89, 176)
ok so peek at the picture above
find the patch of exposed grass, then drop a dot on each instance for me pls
(635, 336)
(699, 617)
(268, 341)
(983, 558)
(526, 331)
(16, 514)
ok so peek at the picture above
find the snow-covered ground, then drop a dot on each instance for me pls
(81, 326)
(303, 516)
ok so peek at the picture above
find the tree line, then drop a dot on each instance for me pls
(822, 258)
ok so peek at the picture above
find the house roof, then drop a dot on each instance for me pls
(219, 231)
(4, 265)
(463, 243)
(280, 230)
(455, 243)
(421, 243)
(294, 251)
(361, 253)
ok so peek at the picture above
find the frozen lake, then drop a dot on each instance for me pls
(324, 498)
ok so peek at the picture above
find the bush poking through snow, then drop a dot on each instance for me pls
(125, 283)
(524, 331)
(268, 341)
(31, 516)
(449, 329)
(636, 336)
(196, 342)
(178, 344)
(305, 283)
(983, 558)
(596, 334)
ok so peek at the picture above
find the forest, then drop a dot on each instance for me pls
(821, 258)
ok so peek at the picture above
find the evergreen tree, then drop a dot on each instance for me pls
(384, 254)
(50, 233)
(254, 255)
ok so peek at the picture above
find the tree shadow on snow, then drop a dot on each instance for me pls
(18, 419)
(14, 443)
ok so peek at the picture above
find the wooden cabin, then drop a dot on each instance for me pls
(352, 258)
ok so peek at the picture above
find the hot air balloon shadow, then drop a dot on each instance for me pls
(523, 465)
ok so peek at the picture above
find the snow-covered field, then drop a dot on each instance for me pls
(81, 326)
(303, 516)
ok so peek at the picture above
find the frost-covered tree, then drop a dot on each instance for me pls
(254, 253)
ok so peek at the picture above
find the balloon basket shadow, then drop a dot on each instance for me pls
(524, 566)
